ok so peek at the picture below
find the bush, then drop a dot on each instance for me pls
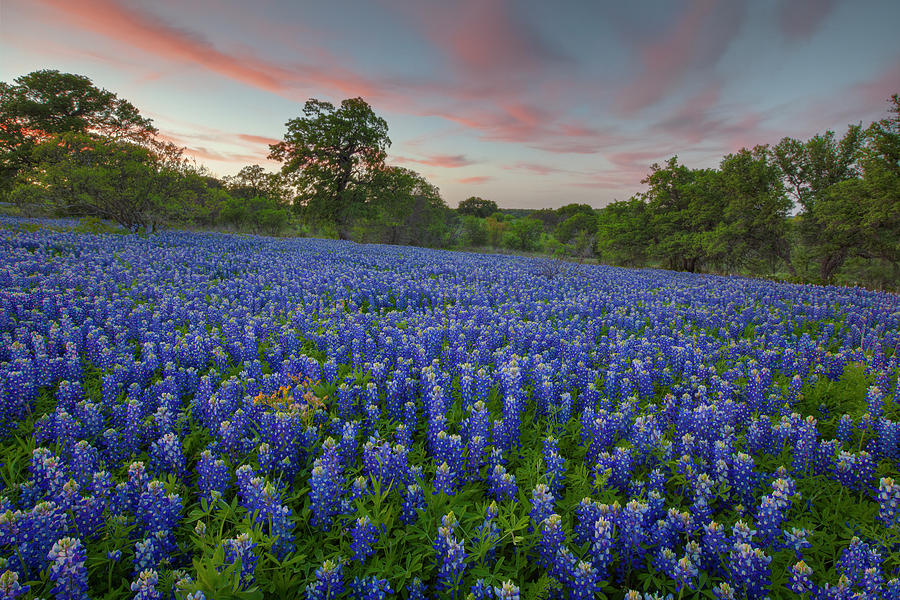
(474, 231)
(97, 226)
(523, 234)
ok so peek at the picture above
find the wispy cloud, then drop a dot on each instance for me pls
(446, 161)
(696, 41)
(537, 168)
(475, 180)
(800, 19)
(145, 31)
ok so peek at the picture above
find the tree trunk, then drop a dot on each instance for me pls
(830, 264)
(343, 229)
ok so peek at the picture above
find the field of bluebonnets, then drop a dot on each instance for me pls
(214, 416)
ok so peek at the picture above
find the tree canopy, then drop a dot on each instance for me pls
(477, 207)
(331, 155)
(45, 103)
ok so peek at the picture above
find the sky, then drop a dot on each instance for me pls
(531, 104)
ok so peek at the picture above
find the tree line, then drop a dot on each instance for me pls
(821, 210)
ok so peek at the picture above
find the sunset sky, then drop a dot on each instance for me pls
(529, 103)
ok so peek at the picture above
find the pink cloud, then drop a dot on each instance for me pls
(695, 41)
(701, 118)
(476, 179)
(146, 32)
(209, 154)
(258, 139)
(611, 180)
(484, 40)
(634, 165)
(496, 56)
(196, 146)
(539, 169)
(799, 19)
(880, 88)
(438, 160)
(691, 121)
(499, 123)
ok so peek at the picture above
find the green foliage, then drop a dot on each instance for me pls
(68, 148)
(474, 231)
(523, 234)
(495, 229)
(96, 226)
(737, 218)
(331, 155)
(477, 207)
(683, 204)
(752, 232)
(814, 172)
(47, 103)
(403, 208)
(581, 222)
(77, 174)
(624, 232)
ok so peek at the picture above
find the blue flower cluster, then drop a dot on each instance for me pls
(585, 430)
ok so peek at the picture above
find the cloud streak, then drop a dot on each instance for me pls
(477, 179)
(695, 42)
(146, 32)
(800, 19)
(446, 161)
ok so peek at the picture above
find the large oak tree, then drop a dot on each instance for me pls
(47, 103)
(332, 154)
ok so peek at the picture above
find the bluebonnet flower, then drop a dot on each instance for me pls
(874, 402)
(586, 514)
(359, 488)
(507, 591)
(585, 582)
(892, 589)
(603, 544)
(364, 534)
(416, 589)
(889, 502)
(796, 539)
(214, 475)
(413, 501)
(444, 480)
(144, 586)
(743, 478)
(67, 570)
(856, 559)
(801, 579)
(240, 549)
(168, 456)
(10, 588)
(481, 590)
(502, 485)
(854, 471)
(631, 536)
(329, 583)
(325, 482)
(844, 428)
(263, 500)
(556, 465)
(724, 591)
(488, 532)
(371, 588)
(750, 567)
(551, 540)
(450, 556)
(153, 551)
(541, 505)
(684, 573)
